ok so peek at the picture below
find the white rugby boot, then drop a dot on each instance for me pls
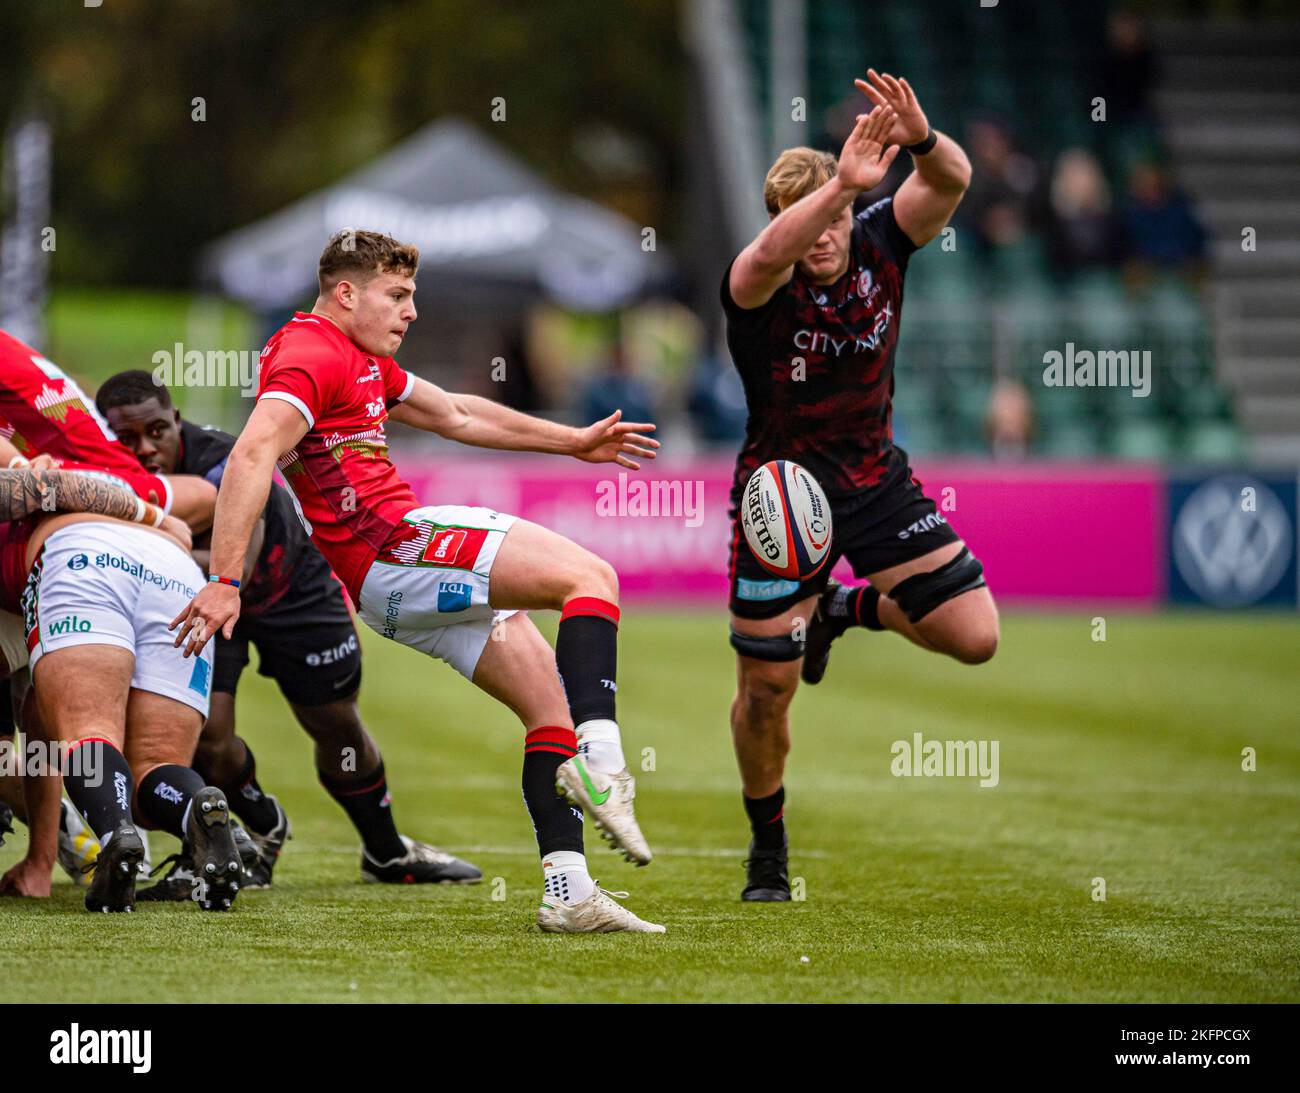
(597, 914)
(607, 798)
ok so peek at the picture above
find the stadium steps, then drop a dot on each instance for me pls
(1229, 97)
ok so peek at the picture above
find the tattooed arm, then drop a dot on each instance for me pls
(23, 492)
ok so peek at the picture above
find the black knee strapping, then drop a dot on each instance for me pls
(780, 648)
(921, 593)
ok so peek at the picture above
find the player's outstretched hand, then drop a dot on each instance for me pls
(215, 608)
(910, 125)
(865, 160)
(616, 441)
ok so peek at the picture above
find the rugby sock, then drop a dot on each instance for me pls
(368, 804)
(247, 799)
(586, 653)
(98, 780)
(601, 745)
(767, 819)
(557, 824)
(165, 794)
(565, 876)
(857, 605)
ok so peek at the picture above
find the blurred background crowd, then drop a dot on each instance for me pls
(576, 215)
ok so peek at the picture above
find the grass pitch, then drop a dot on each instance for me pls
(1119, 760)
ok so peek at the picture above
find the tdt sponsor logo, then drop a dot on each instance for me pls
(133, 1047)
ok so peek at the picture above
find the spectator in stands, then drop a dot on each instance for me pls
(1009, 422)
(617, 387)
(1000, 206)
(1130, 69)
(1161, 231)
(716, 400)
(1083, 232)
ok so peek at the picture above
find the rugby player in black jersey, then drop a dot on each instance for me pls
(295, 613)
(812, 308)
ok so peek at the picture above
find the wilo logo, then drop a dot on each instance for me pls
(1105, 368)
(921, 758)
(663, 497)
(69, 624)
(181, 367)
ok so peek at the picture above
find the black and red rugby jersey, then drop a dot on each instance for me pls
(837, 421)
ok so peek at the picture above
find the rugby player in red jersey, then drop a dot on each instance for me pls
(812, 308)
(44, 412)
(451, 581)
(295, 613)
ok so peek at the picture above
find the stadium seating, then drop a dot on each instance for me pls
(969, 317)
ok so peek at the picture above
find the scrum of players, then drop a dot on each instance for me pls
(141, 556)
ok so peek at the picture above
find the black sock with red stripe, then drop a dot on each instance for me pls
(98, 780)
(366, 801)
(586, 653)
(854, 606)
(246, 798)
(557, 824)
(165, 794)
(767, 820)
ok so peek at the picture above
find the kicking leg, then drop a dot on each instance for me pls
(519, 670)
(536, 568)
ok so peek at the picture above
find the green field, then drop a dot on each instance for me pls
(1120, 760)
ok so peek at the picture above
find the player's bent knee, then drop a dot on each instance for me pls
(767, 688)
(977, 646)
(921, 593)
(600, 579)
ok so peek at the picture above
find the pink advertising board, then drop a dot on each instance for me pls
(1060, 533)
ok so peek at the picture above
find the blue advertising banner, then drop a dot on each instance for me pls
(1233, 539)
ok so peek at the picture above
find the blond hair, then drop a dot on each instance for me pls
(796, 173)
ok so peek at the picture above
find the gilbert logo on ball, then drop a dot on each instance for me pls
(787, 520)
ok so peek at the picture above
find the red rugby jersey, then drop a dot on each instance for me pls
(348, 490)
(44, 411)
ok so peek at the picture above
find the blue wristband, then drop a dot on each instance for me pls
(214, 579)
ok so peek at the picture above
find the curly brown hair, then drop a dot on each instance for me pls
(358, 255)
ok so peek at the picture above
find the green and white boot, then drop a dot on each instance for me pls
(597, 914)
(607, 798)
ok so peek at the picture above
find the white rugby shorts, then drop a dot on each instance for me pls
(428, 588)
(114, 584)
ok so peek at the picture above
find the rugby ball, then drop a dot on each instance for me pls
(787, 520)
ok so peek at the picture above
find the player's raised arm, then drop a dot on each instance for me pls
(487, 424)
(926, 201)
(768, 262)
(273, 427)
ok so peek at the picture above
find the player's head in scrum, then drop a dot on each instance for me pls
(367, 286)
